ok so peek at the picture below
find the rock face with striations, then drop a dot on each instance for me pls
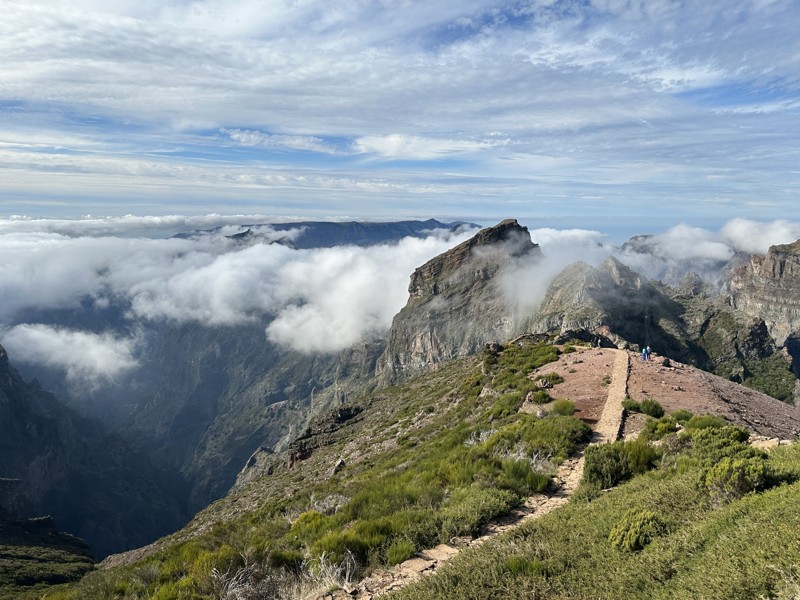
(769, 287)
(455, 305)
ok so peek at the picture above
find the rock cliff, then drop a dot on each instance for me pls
(455, 305)
(769, 287)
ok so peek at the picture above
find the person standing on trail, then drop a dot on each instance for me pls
(644, 353)
(647, 350)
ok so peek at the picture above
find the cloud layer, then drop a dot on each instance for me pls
(321, 300)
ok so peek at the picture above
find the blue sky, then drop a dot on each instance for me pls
(579, 113)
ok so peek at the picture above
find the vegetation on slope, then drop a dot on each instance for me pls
(437, 458)
(35, 555)
(717, 519)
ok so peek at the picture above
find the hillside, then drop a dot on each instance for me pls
(412, 467)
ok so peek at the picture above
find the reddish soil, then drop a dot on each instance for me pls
(586, 373)
(675, 386)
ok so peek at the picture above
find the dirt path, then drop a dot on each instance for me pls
(567, 478)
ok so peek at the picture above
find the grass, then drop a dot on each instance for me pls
(34, 556)
(453, 458)
(660, 535)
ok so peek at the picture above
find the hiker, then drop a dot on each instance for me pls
(644, 353)
(648, 352)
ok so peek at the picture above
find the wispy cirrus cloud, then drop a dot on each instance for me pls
(247, 104)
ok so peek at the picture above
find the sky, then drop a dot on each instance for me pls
(616, 115)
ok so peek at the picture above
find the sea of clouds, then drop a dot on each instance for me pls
(318, 300)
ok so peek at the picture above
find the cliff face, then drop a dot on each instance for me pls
(455, 305)
(769, 287)
(69, 467)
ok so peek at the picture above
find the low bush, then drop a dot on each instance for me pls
(399, 551)
(658, 429)
(550, 378)
(651, 408)
(681, 415)
(631, 405)
(635, 530)
(471, 508)
(732, 478)
(563, 407)
(705, 422)
(607, 465)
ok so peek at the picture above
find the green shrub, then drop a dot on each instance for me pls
(337, 545)
(541, 397)
(606, 465)
(711, 445)
(732, 478)
(287, 559)
(471, 508)
(310, 525)
(652, 408)
(551, 378)
(507, 405)
(705, 422)
(631, 405)
(399, 551)
(681, 415)
(526, 567)
(635, 530)
(563, 407)
(658, 429)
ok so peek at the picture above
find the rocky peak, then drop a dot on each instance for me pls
(455, 305)
(484, 253)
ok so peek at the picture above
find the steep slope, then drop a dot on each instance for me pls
(203, 398)
(769, 287)
(618, 301)
(69, 467)
(455, 305)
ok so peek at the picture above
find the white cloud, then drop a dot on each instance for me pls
(399, 146)
(320, 300)
(87, 359)
(755, 237)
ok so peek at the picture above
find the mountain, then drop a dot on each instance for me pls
(327, 234)
(207, 400)
(455, 303)
(204, 398)
(55, 462)
(769, 287)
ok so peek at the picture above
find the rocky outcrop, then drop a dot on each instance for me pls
(768, 287)
(691, 324)
(455, 304)
(615, 302)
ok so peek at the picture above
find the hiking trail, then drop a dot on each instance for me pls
(566, 480)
